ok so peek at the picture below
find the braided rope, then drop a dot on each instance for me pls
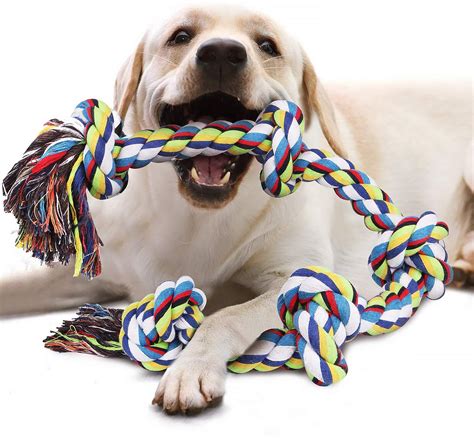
(108, 155)
(320, 310)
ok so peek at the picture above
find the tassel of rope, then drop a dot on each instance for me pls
(46, 190)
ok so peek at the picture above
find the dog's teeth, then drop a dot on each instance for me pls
(194, 174)
(225, 179)
(232, 166)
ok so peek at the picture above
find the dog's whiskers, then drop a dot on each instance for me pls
(167, 60)
(276, 58)
(281, 67)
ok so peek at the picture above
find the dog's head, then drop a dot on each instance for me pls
(214, 64)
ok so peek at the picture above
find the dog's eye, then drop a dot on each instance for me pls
(269, 47)
(180, 37)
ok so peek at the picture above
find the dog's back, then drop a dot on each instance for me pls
(415, 140)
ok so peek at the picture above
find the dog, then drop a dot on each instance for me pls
(207, 216)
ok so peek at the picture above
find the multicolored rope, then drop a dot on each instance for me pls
(155, 329)
(320, 310)
(46, 190)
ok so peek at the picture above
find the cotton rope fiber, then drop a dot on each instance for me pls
(320, 310)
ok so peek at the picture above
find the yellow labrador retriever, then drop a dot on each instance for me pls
(207, 217)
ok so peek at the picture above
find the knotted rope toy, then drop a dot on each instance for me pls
(320, 310)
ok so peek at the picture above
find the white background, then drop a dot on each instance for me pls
(416, 381)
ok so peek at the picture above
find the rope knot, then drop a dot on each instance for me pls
(155, 329)
(279, 176)
(319, 311)
(413, 242)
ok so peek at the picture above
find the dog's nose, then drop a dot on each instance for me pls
(221, 55)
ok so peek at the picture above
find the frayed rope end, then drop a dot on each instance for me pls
(47, 193)
(95, 330)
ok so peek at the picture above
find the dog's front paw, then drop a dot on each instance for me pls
(191, 385)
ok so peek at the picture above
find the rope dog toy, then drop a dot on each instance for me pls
(320, 311)
(47, 192)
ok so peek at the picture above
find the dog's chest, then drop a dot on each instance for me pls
(152, 248)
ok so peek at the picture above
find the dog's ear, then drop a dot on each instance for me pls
(316, 100)
(128, 79)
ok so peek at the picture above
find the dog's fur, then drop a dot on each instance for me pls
(412, 140)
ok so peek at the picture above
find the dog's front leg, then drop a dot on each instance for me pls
(196, 380)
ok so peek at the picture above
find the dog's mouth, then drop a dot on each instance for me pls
(209, 181)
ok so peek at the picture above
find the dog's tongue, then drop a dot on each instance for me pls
(210, 169)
